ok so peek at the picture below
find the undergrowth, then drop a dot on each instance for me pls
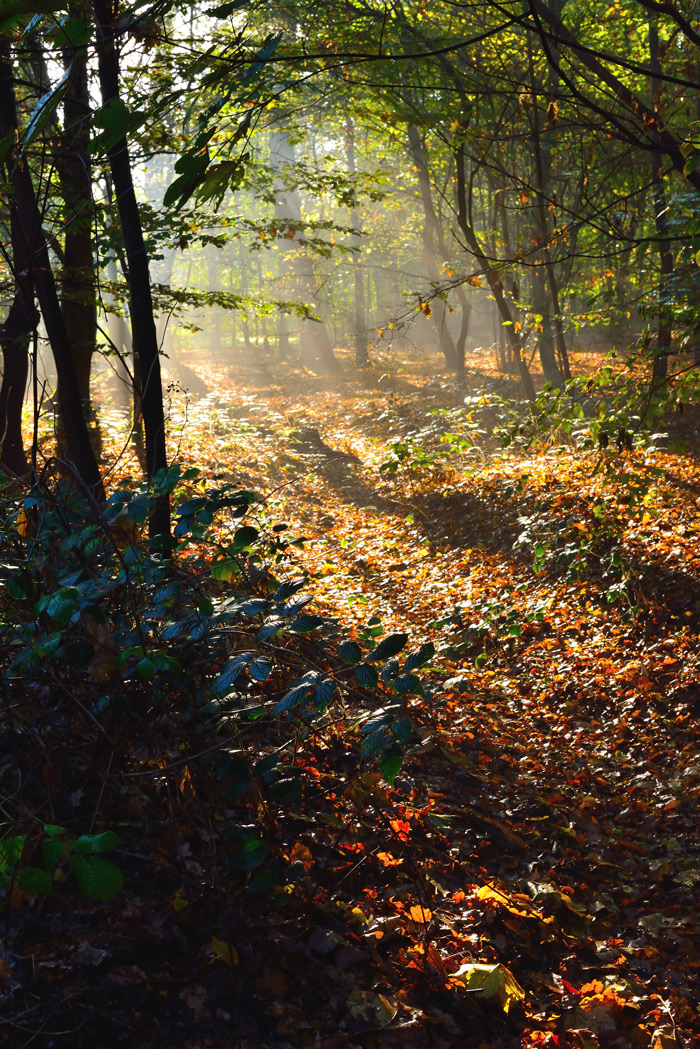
(120, 662)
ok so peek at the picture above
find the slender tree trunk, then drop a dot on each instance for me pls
(78, 290)
(39, 278)
(665, 333)
(430, 227)
(492, 276)
(552, 371)
(143, 328)
(14, 343)
(360, 333)
(213, 264)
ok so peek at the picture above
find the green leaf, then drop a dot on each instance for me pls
(74, 30)
(138, 509)
(481, 660)
(60, 605)
(389, 646)
(11, 10)
(366, 676)
(421, 657)
(10, 853)
(375, 742)
(261, 668)
(114, 122)
(190, 168)
(285, 791)
(226, 9)
(225, 570)
(390, 763)
(146, 668)
(219, 178)
(323, 693)
(92, 843)
(306, 623)
(223, 683)
(252, 852)
(349, 651)
(52, 853)
(292, 698)
(35, 880)
(98, 879)
(45, 109)
(402, 730)
(245, 537)
(408, 685)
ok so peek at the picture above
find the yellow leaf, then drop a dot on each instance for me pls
(22, 524)
(223, 952)
(491, 981)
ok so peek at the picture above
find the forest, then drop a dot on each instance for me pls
(349, 530)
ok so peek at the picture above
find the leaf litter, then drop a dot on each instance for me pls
(532, 875)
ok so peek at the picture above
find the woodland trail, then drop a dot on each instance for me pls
(548, 820)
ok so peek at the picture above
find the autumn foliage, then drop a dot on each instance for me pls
(233, 818)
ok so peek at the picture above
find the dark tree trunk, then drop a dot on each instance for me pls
(78, 292)
(664, 339)
(143, 328)
(14, 343)
(554, 370)
(39, 278)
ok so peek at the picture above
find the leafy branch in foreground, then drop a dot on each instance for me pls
(210, 659)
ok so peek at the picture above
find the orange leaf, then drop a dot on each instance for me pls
(420, 914)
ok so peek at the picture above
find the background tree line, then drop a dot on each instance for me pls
(296, 179)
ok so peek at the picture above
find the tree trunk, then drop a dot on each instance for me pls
(360, 333)
(432, 268)
(213, 265)
(14, 344)
(78, 291)
(665, 334)
(492, 276)
(552, 371)
(39, 277)
(143, 328)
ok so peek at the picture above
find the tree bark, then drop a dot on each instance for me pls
(430, 230)
(664, 329)
(78, 290)
(648, 130)
(492, 276)
(30, 243)
(553, 371)
(143, 327)
(360, 333)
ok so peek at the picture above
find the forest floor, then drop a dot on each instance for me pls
(532, 877)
